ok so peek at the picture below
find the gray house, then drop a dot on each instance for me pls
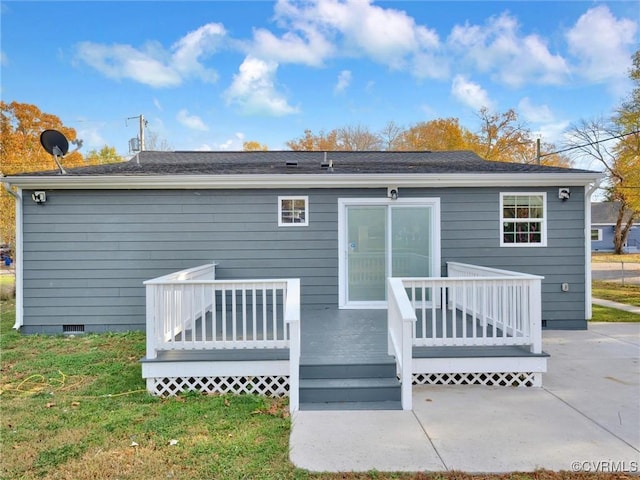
(248, 267)
(603, 221)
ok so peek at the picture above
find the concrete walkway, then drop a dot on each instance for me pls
(585, 418)
(616, 305)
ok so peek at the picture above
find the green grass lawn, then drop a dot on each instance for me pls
(629, 294)
(606, 314)
(76, 408)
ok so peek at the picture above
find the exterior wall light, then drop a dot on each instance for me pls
(39, 197)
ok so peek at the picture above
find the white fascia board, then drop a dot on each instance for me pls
(329, 180)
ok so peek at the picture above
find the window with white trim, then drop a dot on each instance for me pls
(523, 220)
(596, 234)
(293, 211)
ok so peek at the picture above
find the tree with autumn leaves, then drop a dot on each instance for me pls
(501, 137)
(20, 152)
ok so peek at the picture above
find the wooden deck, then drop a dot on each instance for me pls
(337, 336)
(479, 327)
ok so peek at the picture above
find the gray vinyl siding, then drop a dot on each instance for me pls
(86, 253)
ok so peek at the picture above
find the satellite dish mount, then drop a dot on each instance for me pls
(57, 145)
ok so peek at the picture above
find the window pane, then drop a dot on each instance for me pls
(509, 212)
(411, 241)
(535, 212)
(509, 201)
(535, 201)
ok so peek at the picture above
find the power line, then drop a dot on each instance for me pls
(588, 144)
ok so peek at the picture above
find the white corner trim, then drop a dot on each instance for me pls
(17, 261)
(588, 307)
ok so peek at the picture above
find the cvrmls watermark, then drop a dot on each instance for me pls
(605, 466)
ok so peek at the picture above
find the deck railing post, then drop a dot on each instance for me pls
(151, 321)
(535, 315)
(292, 318)
(401, 319)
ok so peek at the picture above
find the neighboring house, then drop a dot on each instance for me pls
(603, 223)
(465, 241)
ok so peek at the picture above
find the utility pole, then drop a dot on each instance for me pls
(538, 150)
(143, 124)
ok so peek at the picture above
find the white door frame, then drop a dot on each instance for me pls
(343, 203)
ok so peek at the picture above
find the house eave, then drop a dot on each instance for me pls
(329, 180)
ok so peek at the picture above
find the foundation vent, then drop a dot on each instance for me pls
(73, 329)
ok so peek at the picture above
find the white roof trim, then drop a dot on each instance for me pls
(328, 180)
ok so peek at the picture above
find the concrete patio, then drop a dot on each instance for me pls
(585, 418)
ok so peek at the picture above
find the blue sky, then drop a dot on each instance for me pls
(208, 75)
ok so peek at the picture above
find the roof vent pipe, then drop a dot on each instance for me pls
(326, 163)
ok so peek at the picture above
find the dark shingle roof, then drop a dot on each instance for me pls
(150, 163)
(606, 213)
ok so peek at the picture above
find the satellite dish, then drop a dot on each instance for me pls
(54, 142)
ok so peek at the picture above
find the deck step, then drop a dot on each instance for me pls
(385, 369)
(340, 390)
(386, 405)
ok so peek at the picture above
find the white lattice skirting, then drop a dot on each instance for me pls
(268, 385)
(504, 379)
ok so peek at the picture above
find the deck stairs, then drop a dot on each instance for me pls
(344, 363)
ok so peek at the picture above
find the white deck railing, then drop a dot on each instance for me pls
(401, 319)
(474, 306)
(191, 310)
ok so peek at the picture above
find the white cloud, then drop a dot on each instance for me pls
(498, 48)
(192, 122)
(157, 104)
(469, 93)
(358, 28)
(344, 80)
(91, 139)
(553, 132)
(253, 89)
(152, 65)
(197, 44)
(4, 59)
(602, 44)
(534, 113)
(291, 47)
(124, 61)
(370, 86)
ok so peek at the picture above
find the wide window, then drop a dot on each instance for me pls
(293, 211)
(523, 219)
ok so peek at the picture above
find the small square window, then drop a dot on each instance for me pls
(523, 221)
(596, 234)
(293, 211)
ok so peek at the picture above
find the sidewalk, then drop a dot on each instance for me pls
(586, 418)
(619, 306)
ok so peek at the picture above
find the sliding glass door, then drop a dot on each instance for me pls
(382, 239)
